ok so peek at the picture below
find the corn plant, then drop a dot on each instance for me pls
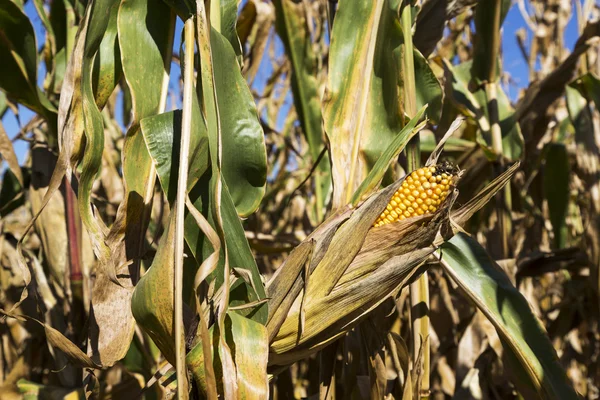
(298, 199)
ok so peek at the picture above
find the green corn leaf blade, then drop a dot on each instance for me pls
(249, 343)
(363, 103)
(18, 69)
(244, 158)
(152, 300)
(429, 91)
(107, 63)
(591, 85)
(556, 190)
(293, 30)
(145, 52)
(484, 39)
(376, 174)
(228, 11)
(488, 287)
(161, 132)
(240, 255)
(474, 104)
(578, 97)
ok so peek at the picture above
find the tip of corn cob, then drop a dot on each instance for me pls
(422, 192)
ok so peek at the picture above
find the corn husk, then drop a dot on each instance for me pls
(342, 271)
(346, 268)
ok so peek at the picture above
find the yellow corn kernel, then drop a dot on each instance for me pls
(421, 192)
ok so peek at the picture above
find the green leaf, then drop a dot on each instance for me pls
(18, 69)
(429, 91)
(376, 174)
(523, 336)
(161, 132)
(145, 51)
(293, 30)
(244, 162)
(227, 28)
(484, 39)
(474, 104)
(240, 255)
(250, 346)
(107, 63)
(362, 107)
(152, 299)
(556, 190)
(578, 96)
(591, 85)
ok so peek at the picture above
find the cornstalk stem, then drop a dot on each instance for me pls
(503, 199)
(419, 290)
(188, 92)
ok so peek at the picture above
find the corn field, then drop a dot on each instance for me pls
(299, 199)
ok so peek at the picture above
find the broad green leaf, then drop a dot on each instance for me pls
(591, 85)
(293, 30)
(244, 162)
(152, 299)
(556, 190)
(240, 255)
(579, 93)
(376, 174)
(474, 104)
(207, 93)
(484, 39)
(362, 104)
(580, 114)
(249, 343)
(145, 50)
(18, 69)
(486, 285)
(107, 63)
(429, 91)
(227, 24)
(161, 132)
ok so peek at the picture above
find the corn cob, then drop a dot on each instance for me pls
(422, 192)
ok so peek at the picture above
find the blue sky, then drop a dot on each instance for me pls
(513, 64)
